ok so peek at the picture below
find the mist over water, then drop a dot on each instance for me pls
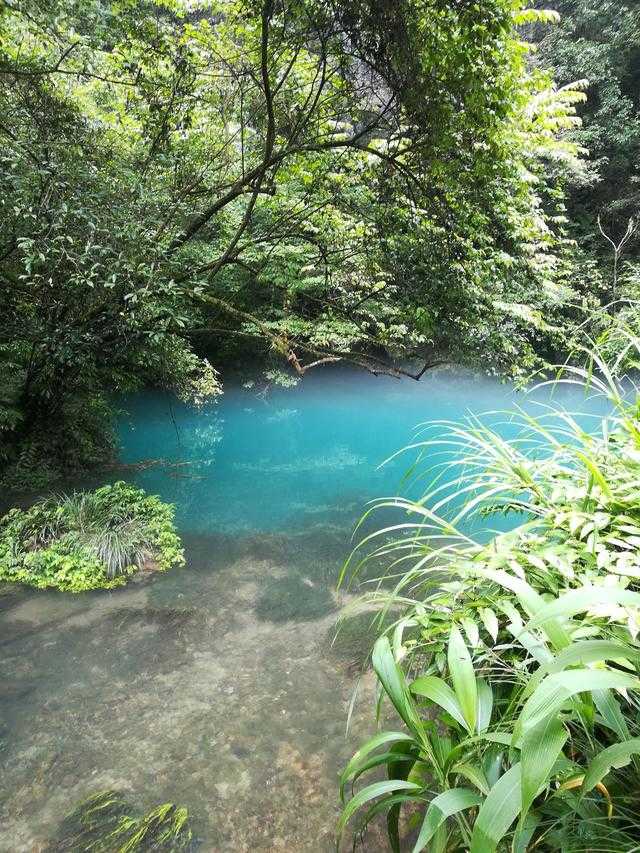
(217, 686)
(293, 456)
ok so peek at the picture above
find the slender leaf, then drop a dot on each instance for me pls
(498, 812)
(438, 691)
(616, 756)
(370, 793)
(463, 676)
(366, 749)
(485, 705)
(440, 808)
(541, 746)
(555, 690)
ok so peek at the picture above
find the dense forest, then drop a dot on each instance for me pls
(197, 193)
(188, 186)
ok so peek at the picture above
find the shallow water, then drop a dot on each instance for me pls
(217, 686)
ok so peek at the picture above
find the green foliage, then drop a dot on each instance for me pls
(598, 42)
(514, 663)
(88, 540)
(106, 823)
(286, 171)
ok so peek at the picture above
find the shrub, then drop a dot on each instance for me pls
(519, 695)
(88, 540)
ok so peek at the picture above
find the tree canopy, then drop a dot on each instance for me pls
(329, 180)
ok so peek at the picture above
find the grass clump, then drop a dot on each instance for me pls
(88, 540)
(106, 823)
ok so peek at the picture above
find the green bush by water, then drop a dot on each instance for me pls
(519, 698)
(88, 540)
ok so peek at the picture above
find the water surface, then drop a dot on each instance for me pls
(217, 686)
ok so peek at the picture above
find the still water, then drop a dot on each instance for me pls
(218, 686)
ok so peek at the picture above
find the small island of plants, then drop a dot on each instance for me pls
(88, 540)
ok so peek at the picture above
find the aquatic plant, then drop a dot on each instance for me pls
(519, 695)
(88, 540)
(105, 823)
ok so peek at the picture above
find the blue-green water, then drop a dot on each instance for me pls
(218, 685)
(292, 457)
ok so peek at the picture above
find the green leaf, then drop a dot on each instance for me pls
(555, 690)
(438, 691)
(590, 651)
(540, 748)
(617, 756)
(532, 602)
(498, 812)
(485, 705)
(370, 793)
(523, 836)
(399, 768)
(609, 709)
(473, 774)
(385, 805)
(390, 759)
(490, 622)
(578, 600)
(394, 684)
(360, 756)
(463, 676)
(440, 808)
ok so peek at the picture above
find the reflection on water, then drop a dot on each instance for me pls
(217, 686)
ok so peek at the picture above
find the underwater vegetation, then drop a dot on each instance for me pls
(106, 823)
(88, 540)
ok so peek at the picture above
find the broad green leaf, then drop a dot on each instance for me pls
(591, 651)
(609, 709)
(474, 774)
(584, 652)
(360, 756)
(579, 600)
(471, 630)
(485, 705)
(379, 759)
(378, 789)
(523, 836)
(532, 602)
(616, 756)
(463, 677)
(386, 804)
(490, 622)
(539, 751)
(498, 812)
(438, 691)
(440, 808)
(555, 690)
(394, 684)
